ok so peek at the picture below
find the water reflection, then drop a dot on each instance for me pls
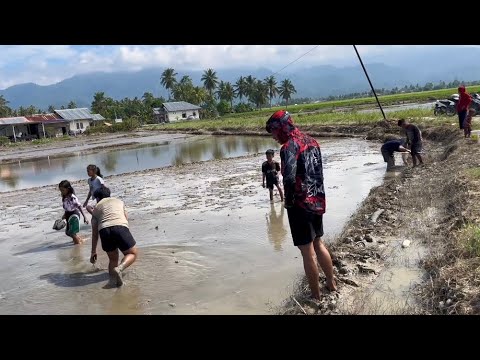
(110, 162)
(276, 230)
(48, 170)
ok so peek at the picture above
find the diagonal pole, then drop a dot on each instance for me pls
(368, 78)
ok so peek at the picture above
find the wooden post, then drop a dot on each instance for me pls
(43, 128)
(14, 136)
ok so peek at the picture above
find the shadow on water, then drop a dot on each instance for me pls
(45, 247)
(75, 279)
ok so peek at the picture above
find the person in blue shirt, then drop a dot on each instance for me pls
(388, 149)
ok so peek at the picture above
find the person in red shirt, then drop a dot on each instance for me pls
(302, 172)
(463, 104)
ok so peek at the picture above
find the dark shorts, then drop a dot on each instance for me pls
(387, 155)
(305, 226)
(416, 148)
(271, 182)
(116, 237)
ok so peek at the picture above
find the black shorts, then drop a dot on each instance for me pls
(305, 226)
(116, 237)
(416, 148)
(271, 182)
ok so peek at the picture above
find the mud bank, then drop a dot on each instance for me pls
(402, 251)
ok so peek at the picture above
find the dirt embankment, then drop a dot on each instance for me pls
(436, 207)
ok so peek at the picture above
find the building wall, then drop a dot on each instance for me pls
(76, 125)
(174, 116)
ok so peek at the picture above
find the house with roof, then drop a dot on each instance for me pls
(176, 111)
(79, 119)
(30, 127)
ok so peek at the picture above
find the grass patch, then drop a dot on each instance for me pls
(474, 173)
(469, 240)
(385, 100)
(249, 122)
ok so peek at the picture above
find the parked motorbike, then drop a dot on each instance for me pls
(449, 106)
(445, 107)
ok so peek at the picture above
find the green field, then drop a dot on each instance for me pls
(257, 123)
(385, 100)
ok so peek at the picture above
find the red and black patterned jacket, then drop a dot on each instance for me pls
(302, 172)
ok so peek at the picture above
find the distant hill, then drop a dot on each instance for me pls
(429, 65)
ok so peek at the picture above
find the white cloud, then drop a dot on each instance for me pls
(47, 64)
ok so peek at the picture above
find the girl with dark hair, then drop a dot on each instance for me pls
(72, 208)
(95, 182)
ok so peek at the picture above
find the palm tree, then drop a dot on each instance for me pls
(51, 109)
(148, 99)
(229, 94)
(226, 92)
(241, 87)
(168, 79)
(259, 94)
(250, 86)
(272, 87)
(286, 90)
(210, 80)
(71, 105)
(99, 105)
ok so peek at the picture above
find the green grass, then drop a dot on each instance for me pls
(419, 116)
(474, 173)
(470, 239)
(385, 100)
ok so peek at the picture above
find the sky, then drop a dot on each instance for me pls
(49, 64)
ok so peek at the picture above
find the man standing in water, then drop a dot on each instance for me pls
(109, 219)
(302, 172)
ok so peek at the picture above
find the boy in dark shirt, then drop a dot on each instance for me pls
(270, 169)
(388, 150)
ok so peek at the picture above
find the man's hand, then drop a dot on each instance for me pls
(93, 258)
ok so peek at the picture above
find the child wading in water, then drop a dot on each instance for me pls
(95, 182)
(72, 208)
(270, 169)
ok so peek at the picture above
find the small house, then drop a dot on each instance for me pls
(176, 111)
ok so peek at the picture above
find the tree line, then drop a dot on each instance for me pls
(216, 97)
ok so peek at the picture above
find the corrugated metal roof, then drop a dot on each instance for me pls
(14, 120)
(180, 106)
(75, 114)
(97, 117)
(45, 118)
(157, 111)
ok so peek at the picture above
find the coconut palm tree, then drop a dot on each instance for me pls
(286, 90)
(272, 87)
(210, 80)
(241, 87)
(168, 79)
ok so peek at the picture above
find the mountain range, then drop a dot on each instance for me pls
(386, 71)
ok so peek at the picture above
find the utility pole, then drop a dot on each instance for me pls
(366, 74)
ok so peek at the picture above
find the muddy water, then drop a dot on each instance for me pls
(52, 170)
(210, 241)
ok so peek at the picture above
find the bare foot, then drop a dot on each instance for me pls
(118, 275)
(331, 285)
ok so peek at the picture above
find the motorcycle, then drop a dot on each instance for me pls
(445, 107)
(475, 104)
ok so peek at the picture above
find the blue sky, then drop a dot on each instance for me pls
(48, 64)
